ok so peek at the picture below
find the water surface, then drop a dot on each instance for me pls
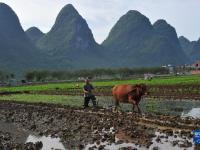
(189, 108)
(48, 142)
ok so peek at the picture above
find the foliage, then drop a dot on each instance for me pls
(35, 98)
(68, 85)
(5, 76)
(95, 73)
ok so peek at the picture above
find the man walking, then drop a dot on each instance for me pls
(87, 89)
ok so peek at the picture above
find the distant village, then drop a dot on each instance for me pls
(192, 69)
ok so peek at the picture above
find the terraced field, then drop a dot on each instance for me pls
(41, 114)
(171, 80)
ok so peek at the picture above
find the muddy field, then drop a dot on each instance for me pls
(36, 126)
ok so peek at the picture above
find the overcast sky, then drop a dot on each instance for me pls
(101, 15)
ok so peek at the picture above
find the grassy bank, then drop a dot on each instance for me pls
(64, 86)
(54, 99)
(37, 98)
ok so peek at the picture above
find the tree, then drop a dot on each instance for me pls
(30, 76)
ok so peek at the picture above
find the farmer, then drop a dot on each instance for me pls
(87, 89)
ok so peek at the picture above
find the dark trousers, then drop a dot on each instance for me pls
(87, 100)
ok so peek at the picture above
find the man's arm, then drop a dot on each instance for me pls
(85, 90)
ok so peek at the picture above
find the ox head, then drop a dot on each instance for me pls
(141, 89)
(138, 90)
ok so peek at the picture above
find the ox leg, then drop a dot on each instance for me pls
(117, 106)
(137, 105)
(139, 110)
(133, 107)
(133, 104)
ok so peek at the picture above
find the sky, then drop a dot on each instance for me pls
(101, 15)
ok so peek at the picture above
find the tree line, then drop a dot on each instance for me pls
(46, 75)
(5, 76)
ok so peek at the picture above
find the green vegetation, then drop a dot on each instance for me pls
(36, 98)
(5, 76)
(94, 73)
(64, 86)
(54, 99)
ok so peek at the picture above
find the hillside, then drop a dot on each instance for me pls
(140, 43)
(34, 34)
(191, 48)
(70, 41)
(16, 51)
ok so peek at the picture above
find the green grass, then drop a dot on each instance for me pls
(37, 98)
(54, 99)
(64, 86)
(156, 81)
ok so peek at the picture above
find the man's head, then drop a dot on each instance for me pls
(87, 81)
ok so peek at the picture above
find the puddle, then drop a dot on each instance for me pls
(164, 144)
(195, 113)
(113, 146)
(171, 107)
(23, 136)
(48, 142)
(19, 134)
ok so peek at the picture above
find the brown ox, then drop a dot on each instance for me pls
(129, 94)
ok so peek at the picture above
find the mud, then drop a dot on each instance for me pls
(77, 128)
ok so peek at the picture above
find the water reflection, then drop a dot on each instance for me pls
(165, 143)
(48, 142)
(195, 113)
(164, 106)
(113, 146)
(171, 107)
(20, 134)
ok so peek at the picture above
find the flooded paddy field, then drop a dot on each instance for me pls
(164, 125)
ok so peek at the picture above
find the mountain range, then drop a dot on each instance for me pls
(70, 42)
(143, 44)
(132, 42)
(16, 50)
(34, 34)
(191, 48)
